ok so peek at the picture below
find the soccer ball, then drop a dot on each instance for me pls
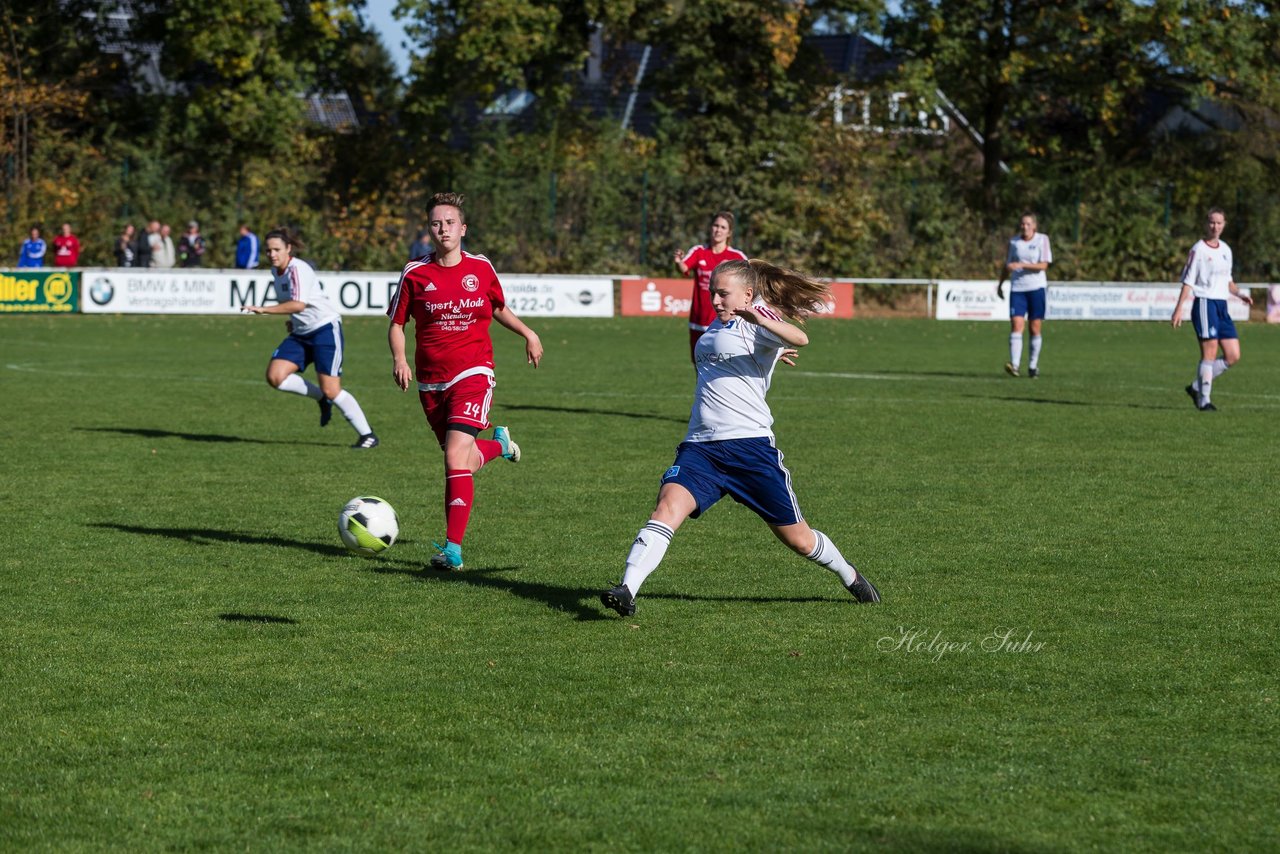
(368, 525)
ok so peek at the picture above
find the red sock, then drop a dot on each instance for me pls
(489, 449)
(459, 492)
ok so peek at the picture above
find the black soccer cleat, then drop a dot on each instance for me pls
(368, 440)
(619, 599)
(1194, 395)
(1208, 407)
(863, 590)
(1033, 372)
(326, 411)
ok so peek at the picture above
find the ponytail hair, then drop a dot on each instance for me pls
(290, 239)
(794, 294)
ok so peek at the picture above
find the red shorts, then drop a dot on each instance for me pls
(465, 402)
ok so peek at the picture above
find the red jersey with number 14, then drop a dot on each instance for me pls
(701, 261)
(451, 308)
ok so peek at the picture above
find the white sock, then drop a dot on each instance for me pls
(826, 554)
(347, 405)
(1035, 351)
(296, 384)
(646, 553)
(1220, 367)
(1206, 381)
(1015, 348)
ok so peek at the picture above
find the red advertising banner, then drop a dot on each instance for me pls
(672, 298)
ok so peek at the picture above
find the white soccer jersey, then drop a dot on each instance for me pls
(1208, 270)
(1033, 251)
(735, 363)
(299, 281)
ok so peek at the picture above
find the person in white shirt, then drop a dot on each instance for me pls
(729, 448)
(1207, 278)
(315, 335)
(1024, 265)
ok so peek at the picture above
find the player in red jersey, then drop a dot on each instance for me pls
(452, 296)
(701, 260)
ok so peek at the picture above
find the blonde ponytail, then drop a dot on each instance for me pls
(790, 292)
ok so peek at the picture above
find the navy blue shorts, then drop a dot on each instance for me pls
(324, 347)
(750, 471)
(1211, 320)
(1027, 304)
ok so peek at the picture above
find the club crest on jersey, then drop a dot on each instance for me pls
(470, 283)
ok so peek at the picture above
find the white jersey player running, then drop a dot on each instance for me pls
(1207, 278)
(315, 335)
(729, 448)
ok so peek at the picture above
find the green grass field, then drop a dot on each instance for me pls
(191, 661)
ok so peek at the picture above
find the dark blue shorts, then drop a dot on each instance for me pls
(1211, 320)
(324, 347)
(1027, 304)
(750, 471)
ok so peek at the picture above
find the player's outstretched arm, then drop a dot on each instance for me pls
(292, 306)
(792, 336)
(532, 343)
(400, 370)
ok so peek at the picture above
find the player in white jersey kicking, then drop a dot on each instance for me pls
(1207, 277)
(1024, 265)
(729, 448)
(315, 335)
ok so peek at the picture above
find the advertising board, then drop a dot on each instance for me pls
(195, 291)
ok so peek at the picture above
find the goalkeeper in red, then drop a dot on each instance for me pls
(451, 296)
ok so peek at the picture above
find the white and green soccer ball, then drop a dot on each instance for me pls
(368, 525)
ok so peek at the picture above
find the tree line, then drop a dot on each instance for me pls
(1119, 123)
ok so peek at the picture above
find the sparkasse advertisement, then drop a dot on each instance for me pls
(23, 291)
(195, 291)
(674, 297)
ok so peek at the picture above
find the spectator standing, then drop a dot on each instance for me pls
(247, 249)
(420, 246)
(66, 248)
(125, 256)
(142, 247)
(164, 255)
(192, 246)
(33, 250)
(154, 243)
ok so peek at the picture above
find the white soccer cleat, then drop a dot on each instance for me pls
(510, 450)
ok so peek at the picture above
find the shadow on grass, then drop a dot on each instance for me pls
(151, 433)
(582, 602)
(565, 599)
(257, 618)
(576, 410)
(1088, 403)
(206, 536)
